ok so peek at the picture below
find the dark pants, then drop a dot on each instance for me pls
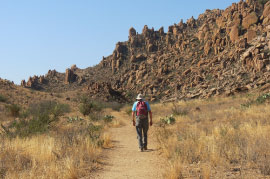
(142, 126)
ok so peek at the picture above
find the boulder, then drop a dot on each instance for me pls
(161, 31)
(145, 30)
(70, 76)
(221, 21)
(191, 22)
(175, 31)
(42, 80)
(23, 83)
(120, 48)
(250, 35)
(151, 48)
(234, 34)
(237, 19)
(207, 48)
(133, 59)
(243, 43)
(266, 21)
(249, 20)
(73, 67)
(132, 32)
(266, 11)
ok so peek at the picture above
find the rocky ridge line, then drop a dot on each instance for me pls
(221, 52)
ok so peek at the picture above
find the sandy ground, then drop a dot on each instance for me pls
(125, 161)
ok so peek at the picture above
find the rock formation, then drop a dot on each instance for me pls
(221, 53)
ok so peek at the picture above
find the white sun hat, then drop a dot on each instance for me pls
(140, 96)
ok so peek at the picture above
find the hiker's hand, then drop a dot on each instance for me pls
(133, 122)
(151, 123)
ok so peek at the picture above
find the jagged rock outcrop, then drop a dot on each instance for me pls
(221, 53)
(70, 76)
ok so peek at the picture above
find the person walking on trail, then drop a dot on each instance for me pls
(140, 111)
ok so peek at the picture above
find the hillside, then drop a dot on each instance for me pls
(223, 52)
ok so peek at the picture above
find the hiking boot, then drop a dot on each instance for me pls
(145, 148)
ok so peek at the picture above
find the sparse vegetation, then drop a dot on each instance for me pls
(13, 110)
(114, 106)
(167, 120)
(72, 153)
(178, 111)
(263, 2)
(220, 134)
(108, 118)
(261, 99)
(74, 119)
(42, 117)
(39, 141)
(3, 98)
(88, 107)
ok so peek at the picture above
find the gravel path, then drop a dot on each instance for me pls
(125, 161)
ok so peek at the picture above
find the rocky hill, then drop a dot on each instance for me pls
(221, 53)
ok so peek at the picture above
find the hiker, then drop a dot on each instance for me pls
(140, 110)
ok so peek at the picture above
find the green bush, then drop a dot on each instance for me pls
(41, 117)
(3, 98)
(259, 100)
(94, 132)
(91, 109)
(25, 128)
(263, 98)
(168, 120)
(108, 118)
(263, 2)
(88, 107)
(73, 119)
(52, 108)
(13, 110)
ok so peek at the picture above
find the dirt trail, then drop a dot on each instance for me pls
(125, 161)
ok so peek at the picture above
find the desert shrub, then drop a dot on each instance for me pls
(73, 119)
(168, 120)
(49, 107)
(88, 106)
(42, 115)
(263, 98)
(108, 118)
(114, 105)
(3, 98)
(13, 110)
(96, 115)
(94, 132)
(25, 128)
(178, 111)
(259, 100)
(264, 165)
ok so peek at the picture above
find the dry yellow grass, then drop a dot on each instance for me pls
(45, 156)
(68, 150)
(215, 138)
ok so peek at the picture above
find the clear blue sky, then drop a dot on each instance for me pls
(38, 35)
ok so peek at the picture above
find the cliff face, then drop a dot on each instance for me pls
(221, 52)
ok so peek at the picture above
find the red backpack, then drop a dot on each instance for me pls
(142, 109)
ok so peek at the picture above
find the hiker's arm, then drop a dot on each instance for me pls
(133, 117)
(151, 121)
